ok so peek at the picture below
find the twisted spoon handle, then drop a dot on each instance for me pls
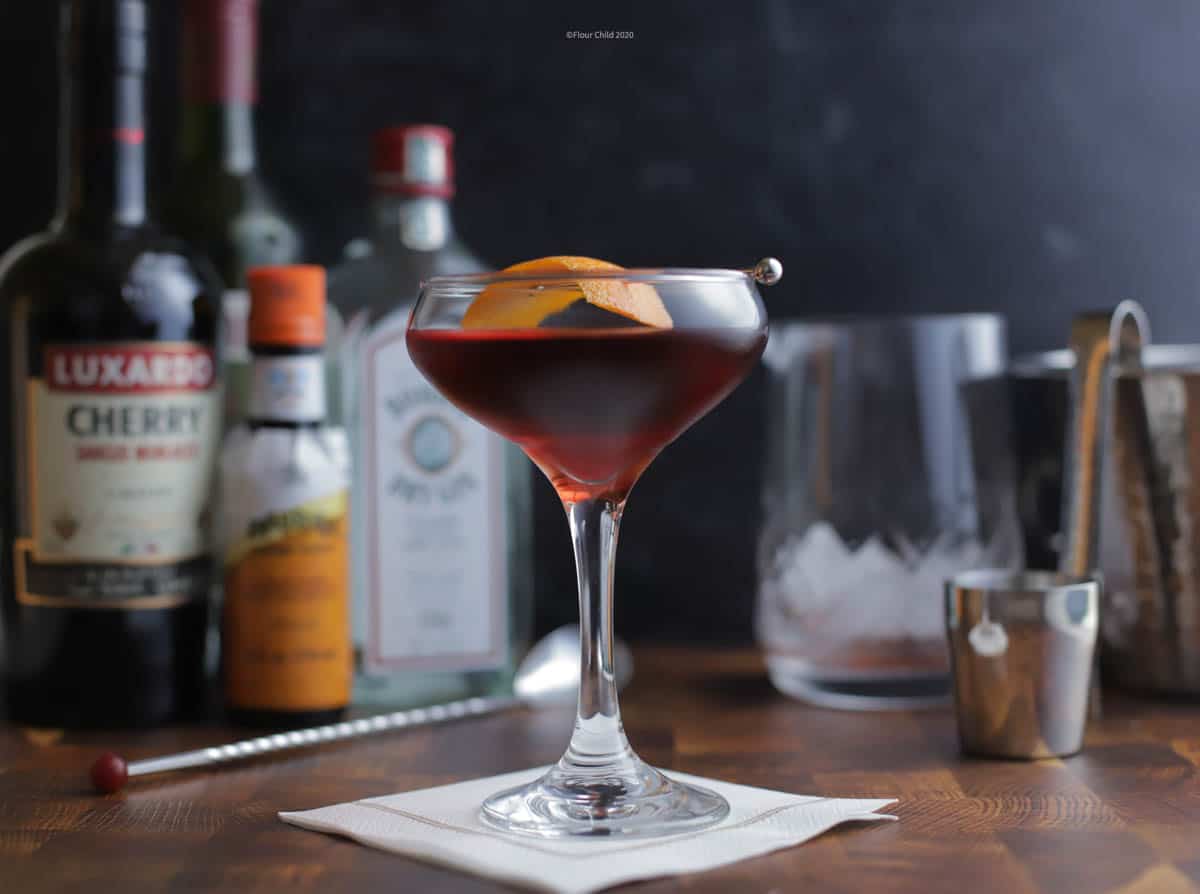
(332, 732)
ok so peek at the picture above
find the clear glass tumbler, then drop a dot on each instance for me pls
(871, 503)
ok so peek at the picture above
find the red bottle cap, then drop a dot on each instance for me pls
(413, 160)
(287, 305)
(220, 51)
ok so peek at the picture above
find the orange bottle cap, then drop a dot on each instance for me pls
(287, 305)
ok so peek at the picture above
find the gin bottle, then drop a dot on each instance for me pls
(440, 515)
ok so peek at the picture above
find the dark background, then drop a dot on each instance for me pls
(1031, 157)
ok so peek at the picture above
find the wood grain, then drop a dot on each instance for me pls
(1123, 816)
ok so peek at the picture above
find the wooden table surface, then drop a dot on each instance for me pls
(1122, 816)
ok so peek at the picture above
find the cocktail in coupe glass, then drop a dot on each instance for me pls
(592, 369)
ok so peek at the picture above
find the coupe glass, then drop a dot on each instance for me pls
(592, 396)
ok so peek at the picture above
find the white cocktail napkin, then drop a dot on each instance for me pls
(441, 825)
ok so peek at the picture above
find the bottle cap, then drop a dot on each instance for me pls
(413, 160)
(287, 305)
(220, 51)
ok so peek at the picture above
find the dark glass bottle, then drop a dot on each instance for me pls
(218, 200)
(112, 416)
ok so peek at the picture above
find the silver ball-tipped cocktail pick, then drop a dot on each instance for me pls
(766, 272)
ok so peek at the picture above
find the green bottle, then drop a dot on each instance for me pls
(218, 200)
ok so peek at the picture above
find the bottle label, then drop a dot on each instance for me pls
(288, 388)
(121, 442)
(437, 564)
(286, 619)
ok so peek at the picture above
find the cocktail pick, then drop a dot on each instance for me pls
(766, 272)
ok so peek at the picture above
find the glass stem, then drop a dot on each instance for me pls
(599, 738)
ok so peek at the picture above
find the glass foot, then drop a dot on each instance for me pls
(630, 799)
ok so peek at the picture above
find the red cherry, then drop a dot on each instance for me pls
(109, 773)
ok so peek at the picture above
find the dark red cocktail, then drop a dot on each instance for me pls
(593, 369)
(592, 407)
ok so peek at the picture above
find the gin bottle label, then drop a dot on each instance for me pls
(120, 447)
(435, 533)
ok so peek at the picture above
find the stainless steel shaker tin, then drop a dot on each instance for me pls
(1022, 646)
(1149, 549)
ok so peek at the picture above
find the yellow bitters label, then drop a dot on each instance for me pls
(287, 625)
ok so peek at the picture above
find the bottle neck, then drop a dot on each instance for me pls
(413, 223)
(220, 83)
(102, 174)
(220, 135)
(287, 387)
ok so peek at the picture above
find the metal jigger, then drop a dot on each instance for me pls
(1022, 648)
